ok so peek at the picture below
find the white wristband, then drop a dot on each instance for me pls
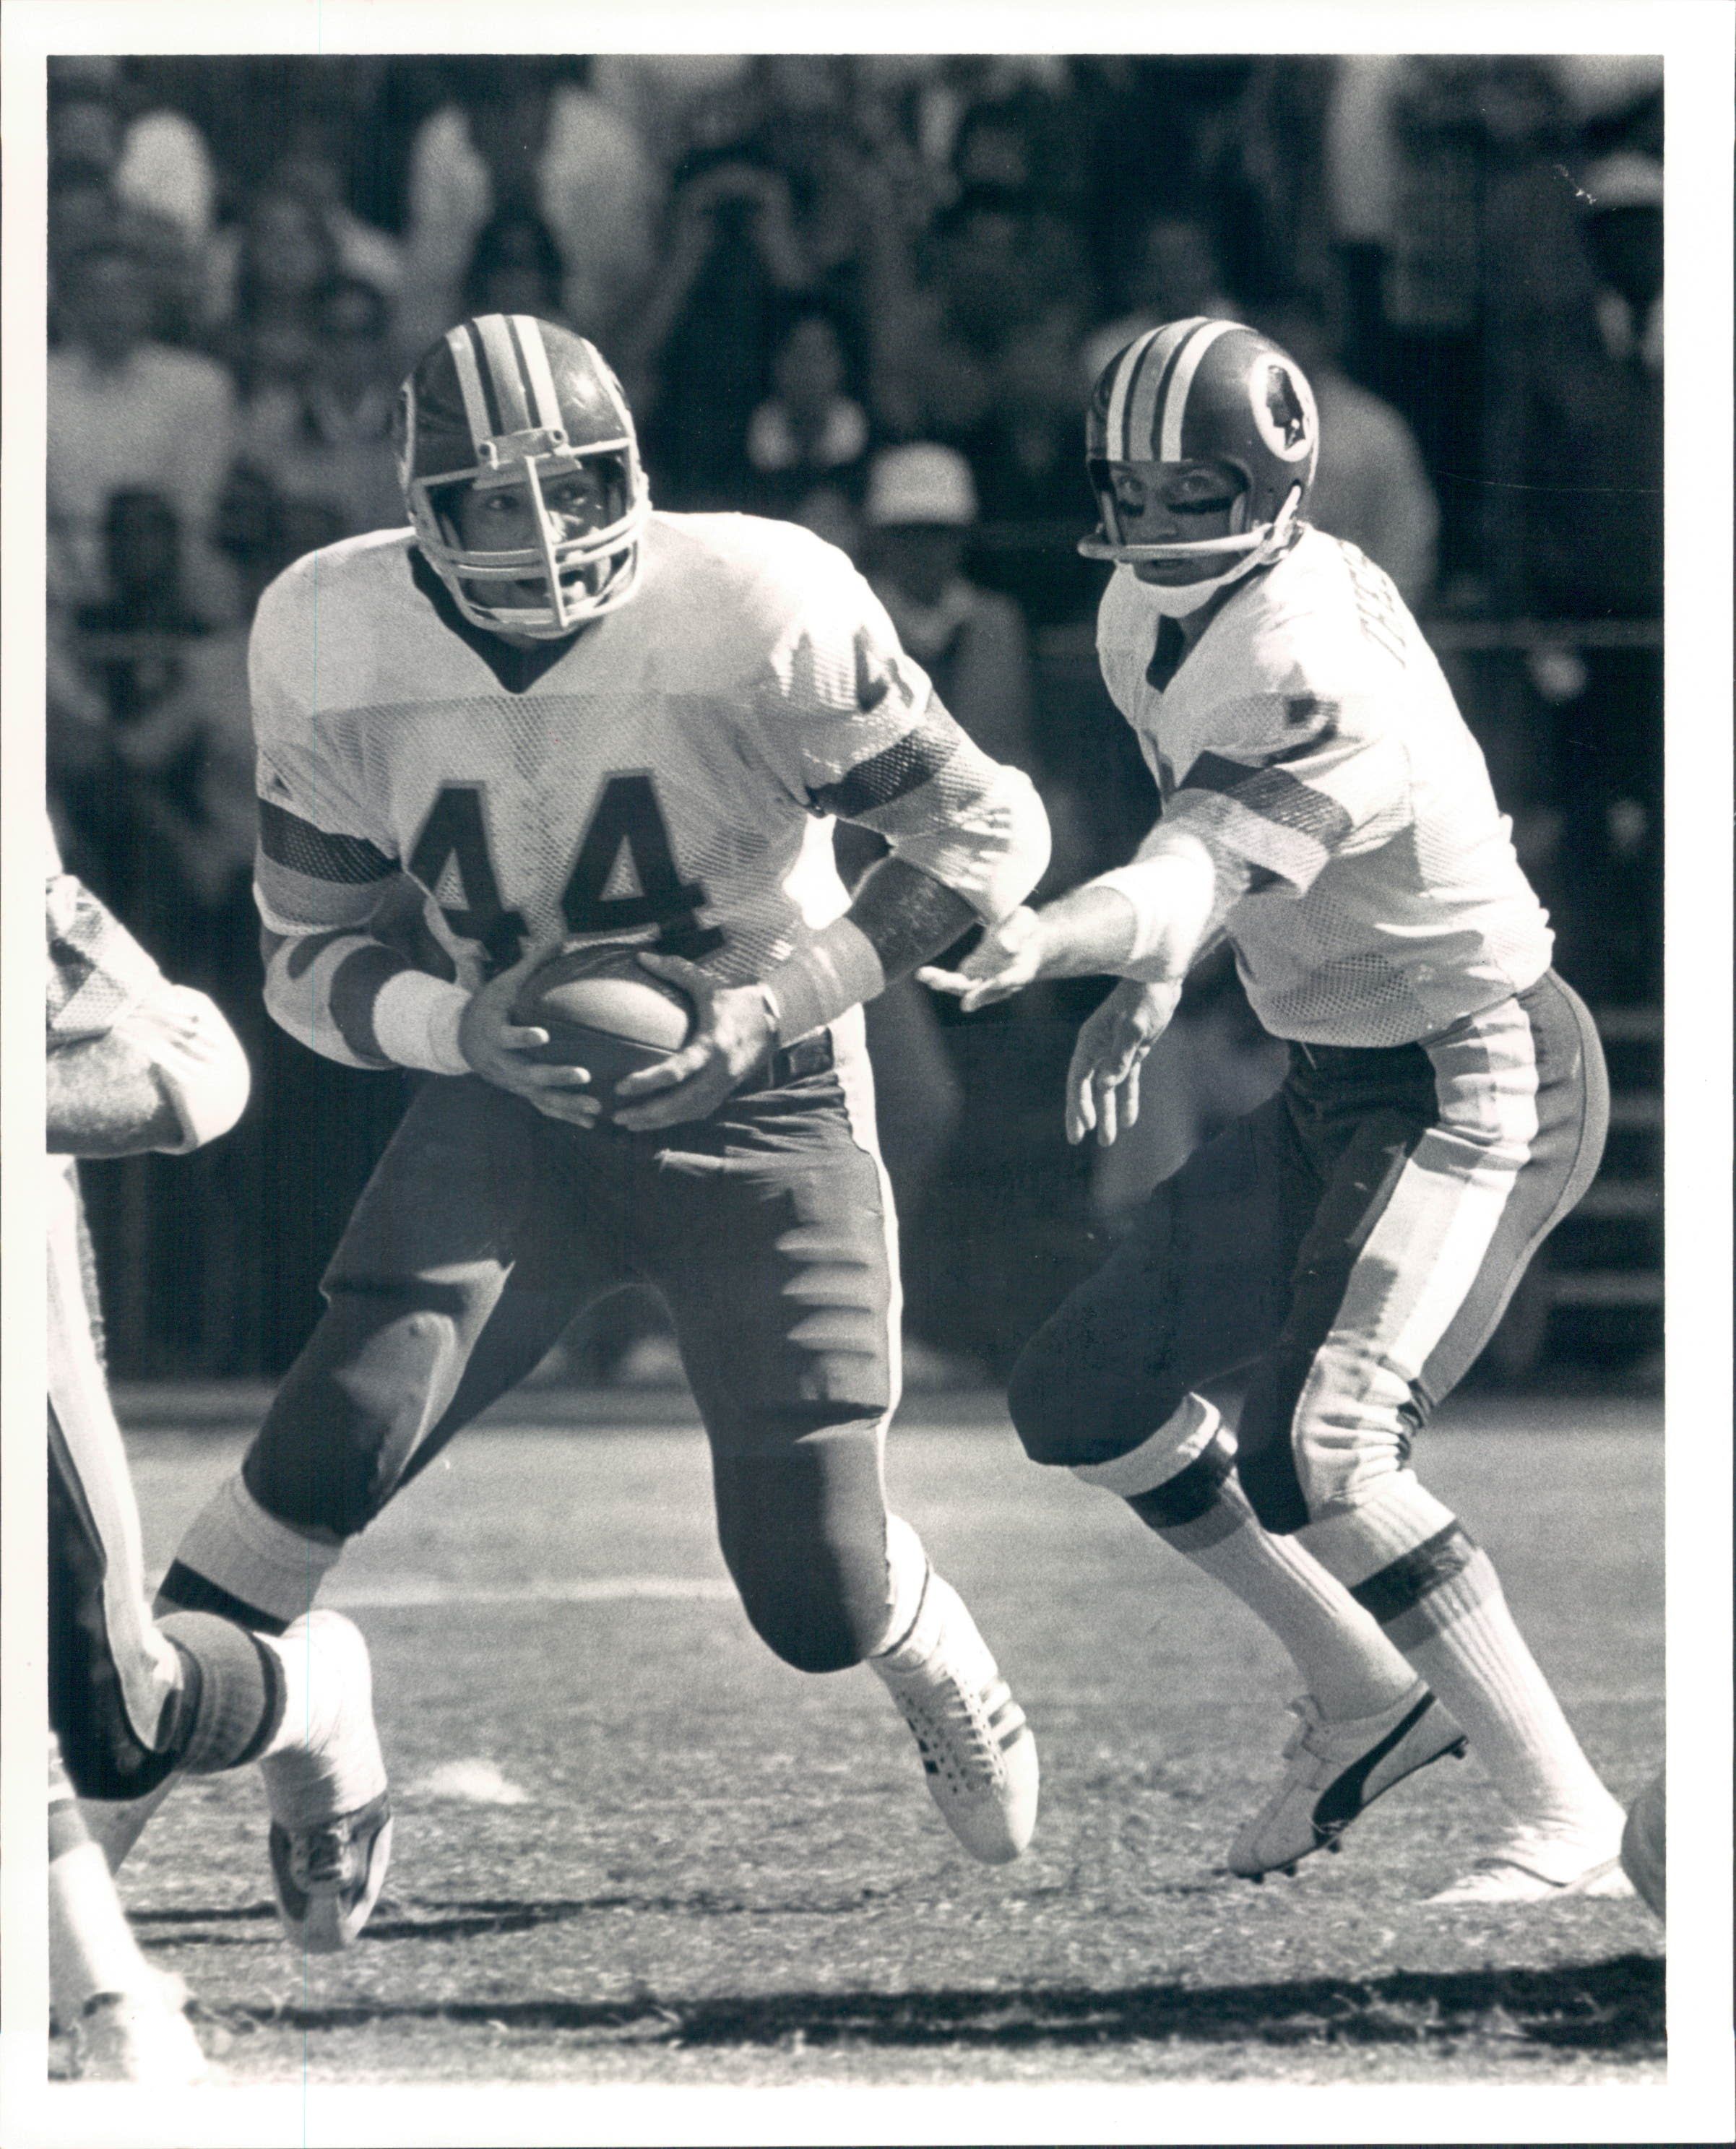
(838, 969)
(415, 1022)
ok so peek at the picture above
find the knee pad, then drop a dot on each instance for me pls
(353, 1413)
(803, 1533)
(1319, 1432)
(1064, 1416)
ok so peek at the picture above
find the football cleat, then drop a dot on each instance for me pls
(976, 1749)
(140, 2037)
(1538, 1865)
(1335, 1771)
(330, 1838)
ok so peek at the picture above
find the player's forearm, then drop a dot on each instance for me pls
(1149, 920)
(349, 997)
(901, 916)
(170, 1075)
(104, 1099)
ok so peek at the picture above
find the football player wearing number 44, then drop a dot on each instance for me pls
(544, 715)
(1340, 1255)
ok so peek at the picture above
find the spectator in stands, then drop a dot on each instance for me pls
(1172, 273)
(1372, 486)
(520, 133)
(283, 253)
(809, 436)
(1593, 538)
(516, 269)
(153, 763)
(124, 412)
(327, 438)
(920, 506)
(1028, 139)
(96, 196)
(312, 170)
(696, 361)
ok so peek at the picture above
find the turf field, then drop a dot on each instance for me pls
(633, 1847)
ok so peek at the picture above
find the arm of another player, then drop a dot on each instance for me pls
(135, 1062)
(1149, 922)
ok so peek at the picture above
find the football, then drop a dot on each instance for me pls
(603, 1013)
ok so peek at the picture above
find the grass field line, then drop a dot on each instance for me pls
(415, 1590)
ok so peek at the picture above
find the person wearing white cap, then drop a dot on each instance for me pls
(920, 505)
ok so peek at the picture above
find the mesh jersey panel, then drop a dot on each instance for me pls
(1407, 910)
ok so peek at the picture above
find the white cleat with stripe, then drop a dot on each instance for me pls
(976, 1749)
(330, 1838)
(1333, 1771)
(1539, 1865)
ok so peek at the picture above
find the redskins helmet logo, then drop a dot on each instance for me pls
(1283, 408)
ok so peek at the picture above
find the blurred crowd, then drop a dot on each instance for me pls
(869, 293)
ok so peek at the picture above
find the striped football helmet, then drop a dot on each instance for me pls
(506, 399)
(1203, 391)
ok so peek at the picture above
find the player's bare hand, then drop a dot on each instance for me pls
(1103, 1081)
(1007, 958)
(495, 1046)
(731, 1036)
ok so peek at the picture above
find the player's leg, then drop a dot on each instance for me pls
(1392, 1306)
(463, 1190)
(136, 1703)
(1111, 1386)
(776, 1254)
(125, 2019)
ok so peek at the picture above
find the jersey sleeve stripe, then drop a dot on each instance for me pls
(289, 841)
(291, 901)
(304, 949)
(905, 766)
(355, 985)
(1274, 795)
(1224, 825)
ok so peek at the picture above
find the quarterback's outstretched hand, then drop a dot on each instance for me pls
(732, 1036)
(1103, 1081)
(1007, 958)
(495, 1045)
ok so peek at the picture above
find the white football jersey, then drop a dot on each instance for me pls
(1310, 738)
(665, 778)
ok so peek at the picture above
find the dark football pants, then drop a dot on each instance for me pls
(129, 1698)
(487, 1224)
(1344, 1253)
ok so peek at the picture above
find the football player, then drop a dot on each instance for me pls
(543, 715)
(1342, 1254)
(135, 1064)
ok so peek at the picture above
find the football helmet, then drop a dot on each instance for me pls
(1202, 390)
(506, 400)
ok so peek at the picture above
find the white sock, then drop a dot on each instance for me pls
(907, 1568)
(1440, 1600)
(1340, 1654)
(324, 1756)
(91, 1947)
(255, 1560)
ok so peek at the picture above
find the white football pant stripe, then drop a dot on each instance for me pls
(1422, 1258)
